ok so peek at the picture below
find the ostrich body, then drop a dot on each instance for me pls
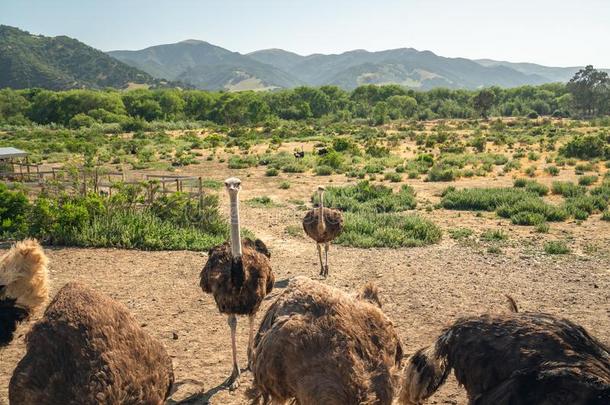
(239, 277)
(323, 225)
(23, 286)
(87, 349)
(319, 345)
(513, 359)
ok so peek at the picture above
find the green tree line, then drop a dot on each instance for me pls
(586, 95)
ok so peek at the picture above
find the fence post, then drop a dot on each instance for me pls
(200, 186)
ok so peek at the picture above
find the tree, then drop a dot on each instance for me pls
(590, 90)
(402, 106)
(483, 102)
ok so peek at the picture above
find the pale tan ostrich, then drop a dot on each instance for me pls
(323, 225)
(319, 345)
(513, 359)
(239, 276)
(87, 349)
(23, 286)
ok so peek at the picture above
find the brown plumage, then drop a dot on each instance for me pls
(23, 286)
(323, 225)
(513, 359)
(238, 286)
(319, 345)
(239, 276)
(88, 349)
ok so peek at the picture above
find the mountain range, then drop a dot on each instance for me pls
(28, 60)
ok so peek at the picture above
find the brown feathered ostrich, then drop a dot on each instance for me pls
(239, 277)
(87, 349)
(323, 225)
(23, 286)
(319, 345)
(513, 359)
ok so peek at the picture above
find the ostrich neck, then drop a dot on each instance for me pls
(235, 236)
(321, 222)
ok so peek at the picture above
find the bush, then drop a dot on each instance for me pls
(586, 147)
(393, 177)
(528, 218)
(587, 180)
(370, 229)
(460, 233)
(239, 162)
(556, 248)
(324, 171)
(260, 202)
(284, 185)
(567, 189)
(491, 235)
(14, 208)
(271, 172)
(439, 173)
(531, 186)
(365, 196)
(606, 215)
(552, 170)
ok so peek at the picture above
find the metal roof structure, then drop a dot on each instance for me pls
(10, 152)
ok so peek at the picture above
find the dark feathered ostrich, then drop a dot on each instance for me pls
(87, 349)
(323, 225)
(513, 359)
(23, 286)
(239, 277)
(299, 154)
(319, 345)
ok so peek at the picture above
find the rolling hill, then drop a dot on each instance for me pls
(206, 66)
(60, 63)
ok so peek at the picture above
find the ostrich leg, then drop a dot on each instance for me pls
(250, 340)
(326, 247)
(320, 256)
(233, 381)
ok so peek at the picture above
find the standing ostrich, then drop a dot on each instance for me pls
(319, 345)
(239, 277)
(513, 359)
(323, 225)
(23, 286)
(87, 349)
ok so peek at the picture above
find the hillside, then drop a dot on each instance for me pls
(60, 63)
(208, 66)
(205, 66)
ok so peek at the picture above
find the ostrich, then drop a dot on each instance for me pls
(88, 349)
(323, 225)
(299, 154)
(319, 345)
(23, 286)
(513, 359)
(239, 276)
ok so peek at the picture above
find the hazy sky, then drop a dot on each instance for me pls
(551, 32)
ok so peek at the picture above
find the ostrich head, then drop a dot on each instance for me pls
(233, 185)
(321, 190)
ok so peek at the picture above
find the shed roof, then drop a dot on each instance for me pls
(10, 152)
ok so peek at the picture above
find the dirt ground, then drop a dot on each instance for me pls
(423, 289)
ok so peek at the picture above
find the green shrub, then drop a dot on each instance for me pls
(393, 177)
(527, 218)
(324, 171)
(365, 196)
(460, 233)
(606, 215)
(587, 180)
(531, 186)
(542, 227)
(567, 189)
(556, 248)
(260, 202)
(585, 147)
(242, 162)
(552, 170)
(271, 172)
(294, 168)
(439, 173)
(284, 185)
(370, 229)
(492, 235)
(14, 208)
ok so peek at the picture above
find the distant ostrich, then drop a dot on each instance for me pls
(322, 151)
(299, 154)
(88, 349)
(239, 277)
(513, 359)
(323, 225)
(23, 286)
(319, 345)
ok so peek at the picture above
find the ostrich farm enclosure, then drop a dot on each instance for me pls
(481, 256)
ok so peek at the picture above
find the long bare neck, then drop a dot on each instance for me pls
(235, 235)
(321, 222)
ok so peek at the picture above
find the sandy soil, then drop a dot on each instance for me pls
(423, 289)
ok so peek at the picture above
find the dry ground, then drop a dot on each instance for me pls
(423, 289)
